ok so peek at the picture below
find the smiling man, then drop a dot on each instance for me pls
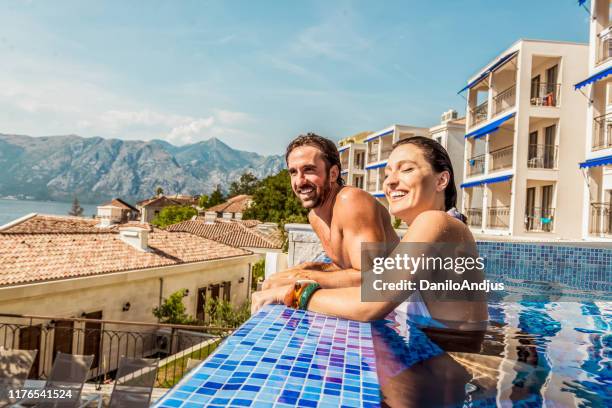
(342, 216)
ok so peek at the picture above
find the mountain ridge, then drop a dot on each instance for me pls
(96, 169)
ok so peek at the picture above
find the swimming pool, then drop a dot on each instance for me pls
(548, 343)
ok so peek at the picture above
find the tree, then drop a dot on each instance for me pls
(245, 185)
(203, 201)
(274, 201)
(216, 197)
(258, 273)
(159, 191)
(76, 209)
(173, 311)
(173, 214)
(221, 313)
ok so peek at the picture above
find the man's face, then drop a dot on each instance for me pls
(310, 180)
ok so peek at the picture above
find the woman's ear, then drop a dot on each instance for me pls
(443, 180)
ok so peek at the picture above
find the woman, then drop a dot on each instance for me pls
(419, 185)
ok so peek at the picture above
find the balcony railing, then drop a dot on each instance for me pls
(372, 186)
(385, 153)
(539, 219)
(108, 341)
(602, 132)
(474, 217)
(475, 165)
(498, 217)
(604, 51)
(545, 94)
(344, 165)
(500, 158)
(542, 156)
(600, 221)
(479, 113)
(504, 99)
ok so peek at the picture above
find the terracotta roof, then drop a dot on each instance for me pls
(58, 224)
(232, 233)
(43, 256)
(117, 202)
(159, 201)
(234, 205)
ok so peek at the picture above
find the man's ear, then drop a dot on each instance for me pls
(443, 180)
(334, 173)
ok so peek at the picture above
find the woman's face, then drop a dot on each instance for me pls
(411, 185)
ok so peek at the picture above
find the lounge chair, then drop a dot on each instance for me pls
(15, 365)
(67, 377)
(134, 383)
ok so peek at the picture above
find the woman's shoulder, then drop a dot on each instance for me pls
(437, 226)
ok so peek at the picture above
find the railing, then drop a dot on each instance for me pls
(604, 51)
(344, 165)
(385, 153)
(108, 341)
(545, 94)
(475, 165)
(371, 186)
(542, 156)
(474, 217)
(602, 132)
(504, 99)
(500, 158)
(539, 219)
(498, 217)
(600, 221)
(479, 113)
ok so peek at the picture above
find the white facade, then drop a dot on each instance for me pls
(352, 159)
(597, 161)
(524, 127)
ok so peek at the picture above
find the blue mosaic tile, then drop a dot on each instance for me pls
(285, 357)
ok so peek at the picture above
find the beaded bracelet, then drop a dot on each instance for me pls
(306, 294)
(299, 294)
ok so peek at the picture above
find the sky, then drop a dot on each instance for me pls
(254, 74)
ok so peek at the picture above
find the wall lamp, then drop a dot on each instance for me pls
(126, 306)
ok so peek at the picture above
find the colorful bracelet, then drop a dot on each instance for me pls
(306, 294)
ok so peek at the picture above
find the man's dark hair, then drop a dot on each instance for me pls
(325, 146)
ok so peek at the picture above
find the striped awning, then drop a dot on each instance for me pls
(600, 161)
(593, 78)
(490, 128)
(376, 166)
(487, 181)
(492, 68)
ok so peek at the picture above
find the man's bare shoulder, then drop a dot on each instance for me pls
(349, 196)
(437, 226)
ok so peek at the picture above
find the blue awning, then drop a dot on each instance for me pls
(379, 135)
(487, 181)
(376, 166)
(600, 161)
(492, 68)
(490, 128)
(343, 148)
(379, 195)
(581, 2)
(593, 78)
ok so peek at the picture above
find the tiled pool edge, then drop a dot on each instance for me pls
(311, 369)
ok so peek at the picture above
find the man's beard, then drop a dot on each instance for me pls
(319, 198)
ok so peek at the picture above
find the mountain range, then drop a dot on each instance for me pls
(96, 169)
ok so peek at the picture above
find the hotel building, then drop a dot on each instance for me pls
(596, 90)
(523, 141)
(352, 159)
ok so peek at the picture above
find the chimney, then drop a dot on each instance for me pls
(135, 236)
(227, 216)
(210, 217)
(238, 216)
(448, 116)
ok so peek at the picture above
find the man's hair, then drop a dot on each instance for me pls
(327, 148)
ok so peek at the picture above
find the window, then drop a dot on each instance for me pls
(93, 337)
(227, 287)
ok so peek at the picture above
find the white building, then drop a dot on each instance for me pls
(352, 158)
(596, 89)
(524, 127)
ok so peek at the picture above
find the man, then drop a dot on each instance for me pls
(342, 217)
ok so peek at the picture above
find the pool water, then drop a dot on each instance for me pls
(533, 353)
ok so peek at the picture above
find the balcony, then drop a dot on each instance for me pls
(504, 100)
(372, 186)
(600, 222)
(475, 165)
(474, 217)
(545, 94)
(602, 132)
(542, 156)
(500, 159)
(604, 48)
(479, 113)
(539, 219)
(499, 217)
(385, 152)
(107, 341)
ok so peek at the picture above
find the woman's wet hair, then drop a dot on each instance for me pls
(437, 156)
